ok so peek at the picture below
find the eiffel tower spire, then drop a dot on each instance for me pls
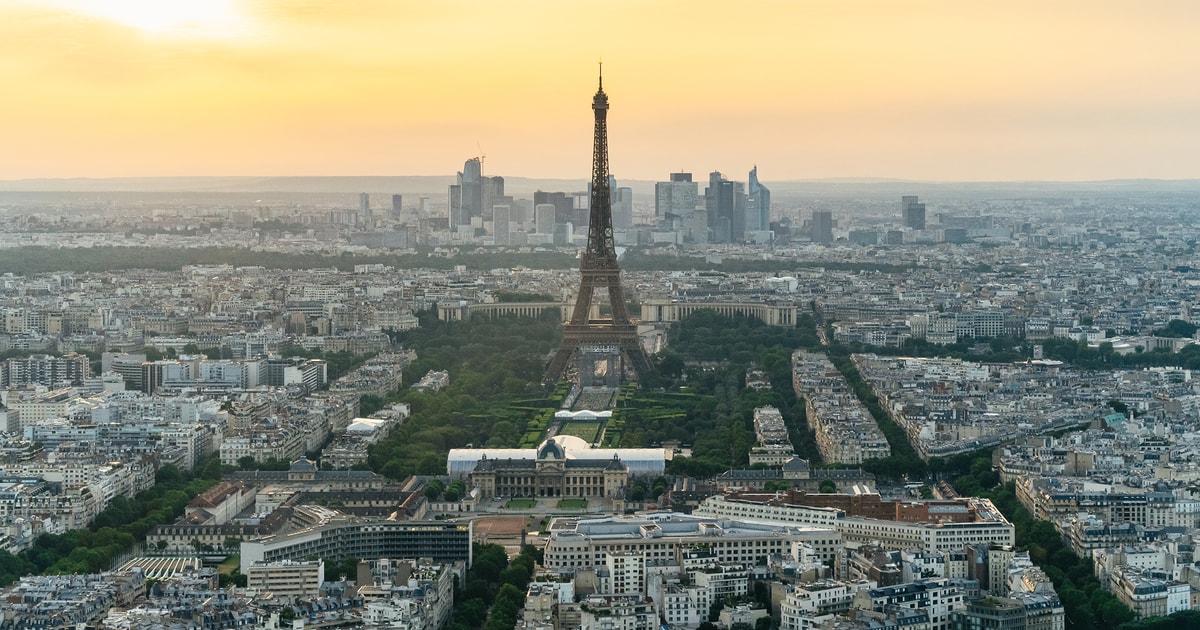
(616, 337)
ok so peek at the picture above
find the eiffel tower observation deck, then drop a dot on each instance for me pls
(606, 348)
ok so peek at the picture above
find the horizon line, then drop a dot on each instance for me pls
(843, 178)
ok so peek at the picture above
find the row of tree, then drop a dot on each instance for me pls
(643, 259)
(1006, 349)
(36, 259)
(493, 583)
(707, 361)
(113, 532)
(1086, 603)
(707, 336)
(495, 368)
(904, 460)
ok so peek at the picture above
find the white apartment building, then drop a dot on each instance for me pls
(287, 578)
(1147, 593)
(807, 605)
(988, 525)
(586, 543)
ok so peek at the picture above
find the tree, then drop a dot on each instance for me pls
(471, 613)
(828, 487)
(369, 404)
(1114, 612)
(1176, 328)
(670, 364)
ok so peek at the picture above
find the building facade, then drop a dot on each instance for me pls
(551, 474)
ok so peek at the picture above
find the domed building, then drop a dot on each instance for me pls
(562, 466)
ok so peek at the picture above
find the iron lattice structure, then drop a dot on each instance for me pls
(598, 269)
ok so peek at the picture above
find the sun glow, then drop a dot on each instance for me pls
(207, 18)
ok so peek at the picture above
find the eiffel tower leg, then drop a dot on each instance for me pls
(635, 355)
(558, 364)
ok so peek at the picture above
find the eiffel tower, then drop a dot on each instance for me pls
(584, 338)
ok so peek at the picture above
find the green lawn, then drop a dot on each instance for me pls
(521, 504)
(572, 504)
(585, 430)
(228, 566)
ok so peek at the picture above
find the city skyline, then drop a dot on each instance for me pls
(934, 91)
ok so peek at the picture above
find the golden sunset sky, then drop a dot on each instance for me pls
(947, 90)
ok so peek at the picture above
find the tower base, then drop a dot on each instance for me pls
(602, 342)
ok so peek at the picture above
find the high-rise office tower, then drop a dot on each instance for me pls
(758, 204)
(454, 205)
(544, 217)
(563, 205)
(397, 203)
(466, 194)
(675, 205)
(474, 195)
(711, 204)
(725, 201)
(562, 232)
(676, 197)
(364, 209)
(501, 215)
(822, 226)
(912, 212)
(520, 218)
(581, 207)
(622, 208)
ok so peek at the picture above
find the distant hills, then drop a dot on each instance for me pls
(523, 186)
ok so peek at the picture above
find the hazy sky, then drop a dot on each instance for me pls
(940, 90)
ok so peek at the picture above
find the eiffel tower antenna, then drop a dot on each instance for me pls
(588, 340)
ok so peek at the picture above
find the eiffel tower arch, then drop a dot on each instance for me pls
(598, 269)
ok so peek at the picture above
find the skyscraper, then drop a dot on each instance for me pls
(501, 228)
(473, 194)
(466, 195)
(564, 209)
(758, 204)
(912, 212)
(622, 208)
(675, 207)
(676, 197)
(725, 201)
(364, 209)
(543, 220)
(822, 226)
